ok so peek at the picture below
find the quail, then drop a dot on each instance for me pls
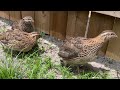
(18, 40)
(25, 24)
(81, 50)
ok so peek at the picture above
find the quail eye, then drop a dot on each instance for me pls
(112, 33)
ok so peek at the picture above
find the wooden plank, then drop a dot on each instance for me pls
(76, 24)
(110, 13)
(15, 15)
(98, 23)
(4, 14)
(27, 13)
(81, 22)
(42, 21)
(113, 50)
(58, 24)
(71, 23)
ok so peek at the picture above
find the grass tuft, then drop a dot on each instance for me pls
(31, 65)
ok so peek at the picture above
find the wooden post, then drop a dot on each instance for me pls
(4, 14)
(27, 13)
(58, 24)
(42, 21)
(76, 24)
(15, 15)
(86, 32)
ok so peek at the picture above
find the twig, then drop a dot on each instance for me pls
(86, 32)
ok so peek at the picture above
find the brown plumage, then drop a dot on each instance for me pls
(81, 50)
(25, 24)
(18, 40)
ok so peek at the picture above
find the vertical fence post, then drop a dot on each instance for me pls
(86, 32)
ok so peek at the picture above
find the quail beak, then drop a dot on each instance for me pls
(116, 36)
(35, 34)
(32, 20)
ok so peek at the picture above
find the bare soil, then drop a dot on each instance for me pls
(51, 48)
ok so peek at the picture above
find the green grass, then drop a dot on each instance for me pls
(32, 66)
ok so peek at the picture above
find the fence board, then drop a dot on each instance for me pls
(76, 24)
(4, 14)
(15, 15)
(27, 13)
(81, 22)
(71, 23)
(113, 50)
(98, 23)
(58, 24)
(62, 24)
(111, 13)
(42, 21)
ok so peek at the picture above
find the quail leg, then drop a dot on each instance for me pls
(78, 69)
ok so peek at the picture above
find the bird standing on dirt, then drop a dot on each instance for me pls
(25, 24)
(81, 50)
(18, 40)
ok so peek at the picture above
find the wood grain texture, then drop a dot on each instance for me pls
(71, 23)
(62, 24)
(110, 13)
(99, 23)
(27, 13)
(42, 21)
(4, 14)
(58, 24)
(76, 24)
(15, 15)
(113, 50)
(81, 23)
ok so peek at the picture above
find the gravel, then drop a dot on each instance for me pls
(51, 47)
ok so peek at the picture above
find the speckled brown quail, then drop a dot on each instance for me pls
(81, 50)
(25, 24)
(18, 40)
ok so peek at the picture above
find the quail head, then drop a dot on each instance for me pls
(81, 50)
(25, 24)
(107, 35)
(19, 40)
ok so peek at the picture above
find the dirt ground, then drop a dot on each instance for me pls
(51, 46)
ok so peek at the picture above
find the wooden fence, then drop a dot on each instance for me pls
(62, 24)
